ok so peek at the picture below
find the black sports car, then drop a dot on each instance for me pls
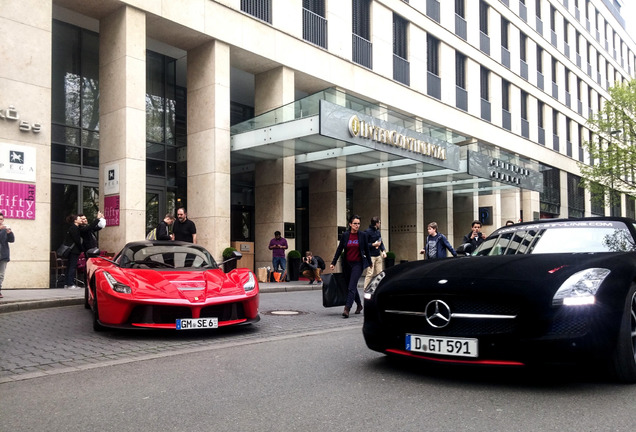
(553, 291)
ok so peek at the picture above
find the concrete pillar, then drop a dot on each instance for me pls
(563, 192)
(371, 198)
(510, 206)
(530, 205)
(438, 207)
(327, 211)
(407, 232)
(25, 84)
(208, 150)
(122, 73)
(274, 180)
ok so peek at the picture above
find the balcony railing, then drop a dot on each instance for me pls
(314, 28)
(362, 51)
(261, 9)
(434, 85)
(484, 42)
(401, 70)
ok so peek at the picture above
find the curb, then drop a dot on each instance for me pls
(18, 306)
(24, 305)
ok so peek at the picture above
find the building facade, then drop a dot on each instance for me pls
(290, 115)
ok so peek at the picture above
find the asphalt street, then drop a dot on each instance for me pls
(41, 342)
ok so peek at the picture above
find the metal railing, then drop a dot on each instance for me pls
(314, 28)
(362, 51)
(401, 70)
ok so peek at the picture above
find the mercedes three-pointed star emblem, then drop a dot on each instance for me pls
(437, 313)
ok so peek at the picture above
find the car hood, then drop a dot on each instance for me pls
(195, 286)
(489, 274)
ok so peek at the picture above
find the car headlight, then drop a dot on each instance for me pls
(250, 284)
(580, 288)
(115, 285)
(373, 285)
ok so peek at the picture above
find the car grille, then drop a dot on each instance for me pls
(495, 316)
(159, 314)
(225, 312)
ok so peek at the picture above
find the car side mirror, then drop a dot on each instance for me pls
(465, 249)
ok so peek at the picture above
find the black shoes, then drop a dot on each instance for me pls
(358, 308)
(345, 312)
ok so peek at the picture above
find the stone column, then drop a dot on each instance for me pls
(530, 205)
(274, 180)
(327, 211)
(25, 85)
(122, 88)
(407, 231)
(510, 206)
(371, 198)
(438, 207)
(209, 144)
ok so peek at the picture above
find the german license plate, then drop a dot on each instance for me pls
(197, 323)
(462, 347)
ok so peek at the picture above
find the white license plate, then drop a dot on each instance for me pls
(462, 347)
(197, 323)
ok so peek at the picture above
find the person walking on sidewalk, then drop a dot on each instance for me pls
(6, 237)
(377, 249)
(356, 258)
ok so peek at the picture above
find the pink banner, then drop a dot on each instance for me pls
(111, 210)
(17, 200)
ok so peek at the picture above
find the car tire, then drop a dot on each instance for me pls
(96, 325)
(623, 362)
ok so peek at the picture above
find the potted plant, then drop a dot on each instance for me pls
(228, 262)
(389, 261)
(293, 265)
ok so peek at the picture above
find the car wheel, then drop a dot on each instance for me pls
(96, 325)
(624, 358)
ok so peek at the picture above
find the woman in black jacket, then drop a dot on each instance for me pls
(73, 238)
(356, 258)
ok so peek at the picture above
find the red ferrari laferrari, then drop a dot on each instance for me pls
(168, 285)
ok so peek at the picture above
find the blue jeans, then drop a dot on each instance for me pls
(276, 261)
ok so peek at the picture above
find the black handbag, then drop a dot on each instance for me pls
(64, 250)
(334, 290)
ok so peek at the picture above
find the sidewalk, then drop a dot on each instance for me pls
(24, 299)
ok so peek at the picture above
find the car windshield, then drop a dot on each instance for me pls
(145, 256)
(560, 237)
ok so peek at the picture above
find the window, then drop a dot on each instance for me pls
(505, 95)
(314, 22)
(432, 54)
(537, 8)
(550, 198)
(523, 43)
(460, 8)
(576, 196)
(361, 28)
(75, 96)
(483, 17)
(540, 113)
(399, 36)
(460, 70)
(505, 26)
(553, 13)
(540, 59)
(524, 105)
(484, 83)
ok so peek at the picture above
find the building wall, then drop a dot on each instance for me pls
(257, 47)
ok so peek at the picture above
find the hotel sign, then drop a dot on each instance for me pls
(353, 127)
(502, 171)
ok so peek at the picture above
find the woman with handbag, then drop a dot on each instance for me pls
(73, 238)
(356, 259)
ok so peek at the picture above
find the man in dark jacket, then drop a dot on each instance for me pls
(475, 237)
(376, 248)
(87, 231)
(164, 231)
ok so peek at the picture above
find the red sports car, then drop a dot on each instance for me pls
(168, 285)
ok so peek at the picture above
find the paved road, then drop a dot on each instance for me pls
(48, 341)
